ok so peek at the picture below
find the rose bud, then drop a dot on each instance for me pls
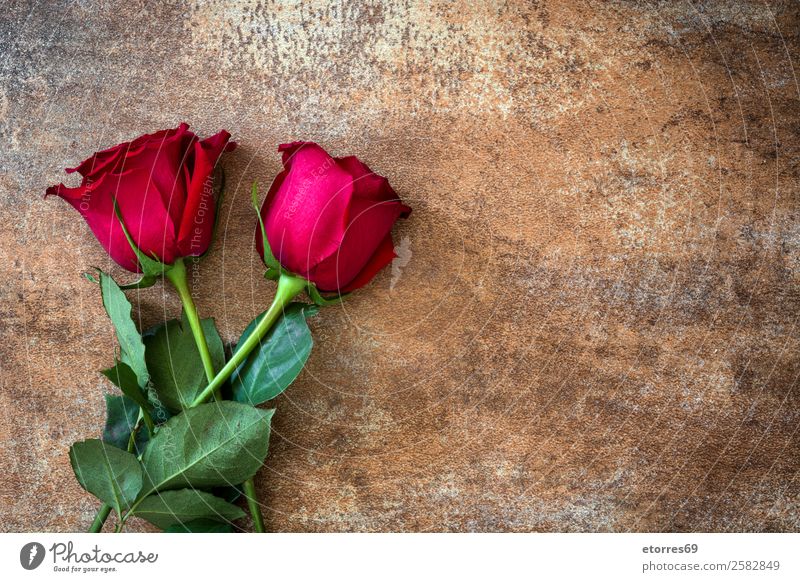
(163, 187)
(328, 220)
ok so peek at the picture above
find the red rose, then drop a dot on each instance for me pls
(328, 219)
(163, 185)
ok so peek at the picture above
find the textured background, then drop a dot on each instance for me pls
(596, 329)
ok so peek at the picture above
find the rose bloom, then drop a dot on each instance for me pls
(162, 183)
(329, 220)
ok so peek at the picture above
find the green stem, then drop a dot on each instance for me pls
(288, 288)
(252, 504)
(100, 518)
(177, 276)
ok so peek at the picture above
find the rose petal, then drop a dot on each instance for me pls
(100, 162)
(197, 223)
(383, 256)
(152, 230)
(369, 223)
(164, 157)
(306, 217)
(366, 183)
(105, 160)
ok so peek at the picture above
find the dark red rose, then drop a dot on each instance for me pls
(328, 219)
(163, 185)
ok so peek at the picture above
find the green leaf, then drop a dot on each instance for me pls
(215, 346)
(122, 415)
(160, 413)
(110, 474)
(174, 362)
(200, 526)
(215, 444)
(278, 359)
(130, 342)
(124, 378)
(185, 506)
(230, 493)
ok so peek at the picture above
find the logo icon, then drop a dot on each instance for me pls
(31, 555)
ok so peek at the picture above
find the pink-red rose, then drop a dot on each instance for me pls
(163, 185)
(328, 219)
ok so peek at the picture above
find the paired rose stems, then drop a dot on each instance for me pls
(289, 287)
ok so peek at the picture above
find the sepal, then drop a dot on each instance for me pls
(322, 301)
(269, 259)
(151, 268)
(143, 283)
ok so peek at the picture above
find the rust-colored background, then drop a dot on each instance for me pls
(596, 328)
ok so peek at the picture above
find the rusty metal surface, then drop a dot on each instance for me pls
(596, 325)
